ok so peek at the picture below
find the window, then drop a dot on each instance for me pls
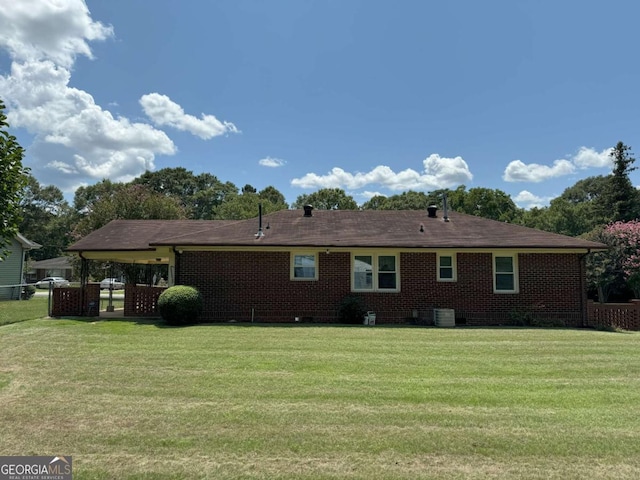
(304, 266)
(446, 268)
(505, 278)
(375, 272)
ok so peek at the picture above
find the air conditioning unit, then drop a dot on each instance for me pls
(444, 317)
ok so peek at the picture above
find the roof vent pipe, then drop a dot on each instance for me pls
(260, 232)
(307, 210)
(431, 211)
(445, 207)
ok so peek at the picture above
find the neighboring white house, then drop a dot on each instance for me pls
(12, 267)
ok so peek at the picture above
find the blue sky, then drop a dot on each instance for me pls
(375, 97)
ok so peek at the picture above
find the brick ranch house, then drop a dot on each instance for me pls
(296, 265)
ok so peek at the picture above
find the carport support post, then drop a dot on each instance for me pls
(50, 298)
(110, 306)
(84, 278)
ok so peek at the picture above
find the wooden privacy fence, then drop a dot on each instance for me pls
(76, 301)
(141, 301)
(615, 315)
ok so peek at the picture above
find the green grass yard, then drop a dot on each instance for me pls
(140, 401)
(12, 311)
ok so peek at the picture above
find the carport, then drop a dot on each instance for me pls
(124, 242)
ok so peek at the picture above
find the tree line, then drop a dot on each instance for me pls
(42, 214)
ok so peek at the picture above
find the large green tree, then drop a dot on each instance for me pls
(327, 199)
(47, 219)
(562, 216)
(86, 197)
(588, 189)
(620, 199)
(131, 202)
(198, 194)
(484, 202)
(246, 206)
(13, 178)
(410, 200)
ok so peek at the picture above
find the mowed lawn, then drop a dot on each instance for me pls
(135, 400)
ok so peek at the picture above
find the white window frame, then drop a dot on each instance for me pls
(293, 266)
(375, 271)
(514, 263)
(454, 267)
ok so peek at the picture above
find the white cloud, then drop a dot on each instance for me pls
(76, 141)
(590, 158)
(163, 111)
(56, 30)
(271, 162)
(527, 200)
(518, 171)
(75, 138)
(438, 172)
(368, 195)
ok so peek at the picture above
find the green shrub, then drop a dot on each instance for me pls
(28, 291)
(526, 318)
(180, 305)
(351, 310)
(548, 323)
(520, 318)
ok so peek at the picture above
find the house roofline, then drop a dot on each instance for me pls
(26, 243)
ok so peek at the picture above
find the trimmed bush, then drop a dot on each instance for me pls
(351, 310)
(180, 305)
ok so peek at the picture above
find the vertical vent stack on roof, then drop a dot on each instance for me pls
(307, 210)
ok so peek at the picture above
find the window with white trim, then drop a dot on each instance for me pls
(375, 272)
(304, 266)
(505, 273)
(447, 268)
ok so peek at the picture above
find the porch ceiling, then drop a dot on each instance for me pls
(155, 257)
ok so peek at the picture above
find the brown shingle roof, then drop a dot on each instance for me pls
(328, 228)
(138, 234)
(373, 228)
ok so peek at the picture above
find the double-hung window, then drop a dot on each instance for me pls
(373, 272)
(304, 266)
(447, 268)
(505, 273)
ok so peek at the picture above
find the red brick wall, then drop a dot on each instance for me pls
(244, 285)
